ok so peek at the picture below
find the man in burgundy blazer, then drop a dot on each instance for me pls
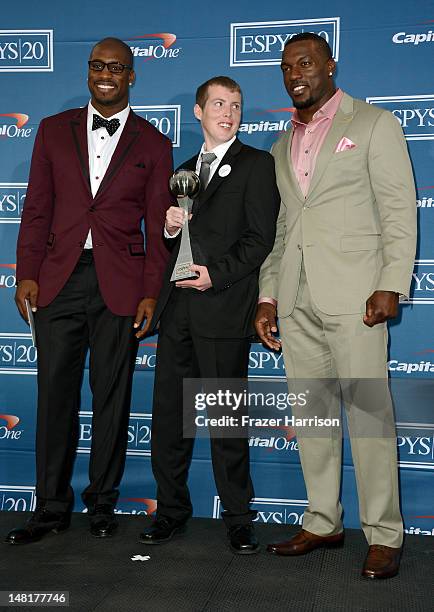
(82, 264)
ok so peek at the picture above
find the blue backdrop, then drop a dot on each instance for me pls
(384, 53)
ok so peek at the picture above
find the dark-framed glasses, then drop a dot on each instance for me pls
(115, 67)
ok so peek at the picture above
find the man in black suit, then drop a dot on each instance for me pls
(206, 323)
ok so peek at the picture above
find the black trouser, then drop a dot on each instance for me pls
(78, 319)
(183, 355)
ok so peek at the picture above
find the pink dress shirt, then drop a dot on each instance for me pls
(307, 141)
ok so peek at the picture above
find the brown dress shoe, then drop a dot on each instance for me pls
(304, 542)
(381, 562)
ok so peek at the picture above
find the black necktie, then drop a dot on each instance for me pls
(111, 126)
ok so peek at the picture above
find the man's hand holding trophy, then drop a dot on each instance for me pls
(184, 185)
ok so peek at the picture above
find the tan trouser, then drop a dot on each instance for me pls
(320, 346)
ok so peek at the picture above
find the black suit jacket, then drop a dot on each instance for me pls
(232, 233)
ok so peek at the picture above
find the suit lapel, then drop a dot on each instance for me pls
(339, 125)
(128, 137)
(79, 135)
(228, 159)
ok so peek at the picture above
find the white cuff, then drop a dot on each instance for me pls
(167, 235)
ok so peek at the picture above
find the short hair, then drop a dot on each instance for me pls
(120, 43)
(319, 40)
(224, 81)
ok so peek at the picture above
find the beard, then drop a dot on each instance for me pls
(304, 104)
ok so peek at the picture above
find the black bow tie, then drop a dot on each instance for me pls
(111, 126)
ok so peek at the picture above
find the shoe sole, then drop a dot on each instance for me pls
(337, 544)
(176, 532)
(385, 577)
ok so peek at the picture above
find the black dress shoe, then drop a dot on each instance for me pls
(162, 530)
(243, 540)
(102, 521)
(41, 522)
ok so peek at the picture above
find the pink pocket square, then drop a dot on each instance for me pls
(344, 144)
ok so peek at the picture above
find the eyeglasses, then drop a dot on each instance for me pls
(114, 67)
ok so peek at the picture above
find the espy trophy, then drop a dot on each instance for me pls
(185, 185)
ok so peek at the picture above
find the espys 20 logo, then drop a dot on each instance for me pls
(261, 43)
(12, 196)
(17, 498)
(26, 50)
(415, 114)
(165, 117)
(17, 354)
(272, 510)
(422, 285)
(139, 434)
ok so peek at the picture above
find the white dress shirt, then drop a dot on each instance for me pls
(219, 151)
(100, 148)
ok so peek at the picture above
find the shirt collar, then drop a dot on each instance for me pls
(121, 115)
(327, 110)
(219, 151)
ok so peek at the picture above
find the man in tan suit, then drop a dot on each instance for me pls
(343, 254)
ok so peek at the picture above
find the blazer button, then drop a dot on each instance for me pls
(299, 247)
(92, 209)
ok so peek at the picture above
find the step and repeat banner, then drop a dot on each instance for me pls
(384, 53)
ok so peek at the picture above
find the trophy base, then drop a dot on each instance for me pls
(182, 271)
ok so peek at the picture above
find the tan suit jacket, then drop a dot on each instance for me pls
(356, 229)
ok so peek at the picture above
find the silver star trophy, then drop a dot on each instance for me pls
(184, 185)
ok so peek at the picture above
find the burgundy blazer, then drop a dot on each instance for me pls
(59, 210)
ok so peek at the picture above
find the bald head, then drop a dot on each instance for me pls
(116, 43)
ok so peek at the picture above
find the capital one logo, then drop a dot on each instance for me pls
(422, 284)
(418, 38)
(272, 510)
(146, 357)
(17, 498)
(166, 118)
(275, 443)
(17, 354)
(12, 196)
(7, 276)
(139, 434)
(425, 201)
(415, 114)
(155, 49)
(261, 43)
(271, 123)
(136, 505)
(26, 50)
(8, 427)
(12, 126)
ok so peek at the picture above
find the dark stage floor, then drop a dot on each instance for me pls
(197, 572)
